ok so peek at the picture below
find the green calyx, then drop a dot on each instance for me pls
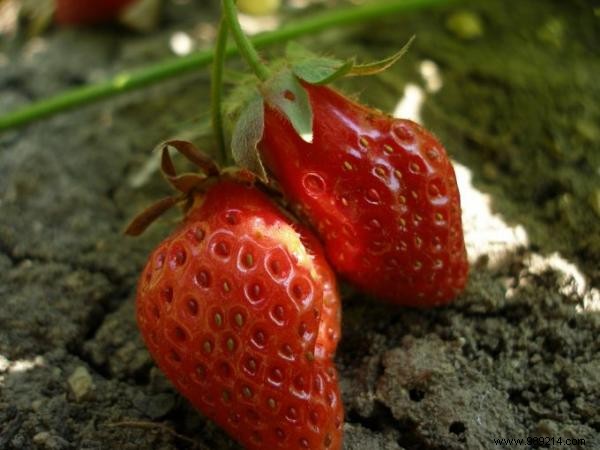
(247, 134)
(283, 91)
(315, 69)
(280, 87)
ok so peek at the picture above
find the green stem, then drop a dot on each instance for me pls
(245, 47)
(216, 92)
(130, 81)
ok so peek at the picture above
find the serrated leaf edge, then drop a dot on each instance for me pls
(246, 136)
(376, 67)
(344, 68)
(275, 93)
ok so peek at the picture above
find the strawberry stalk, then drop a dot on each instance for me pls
(244, 45)
(130, 81)
(216, 92)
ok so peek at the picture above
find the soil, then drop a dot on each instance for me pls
(516, 356)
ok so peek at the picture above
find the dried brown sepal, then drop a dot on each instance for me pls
(194, 155)
(184, 183)
(143, 220)
(240, 174)
(187, 182)
(166, 163)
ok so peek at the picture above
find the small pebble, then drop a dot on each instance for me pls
(80, 383)
(546, 427)
(41, 437)
(48, 441)
(36, 405)
(155, 406)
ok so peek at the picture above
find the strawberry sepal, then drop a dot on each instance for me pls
(247, 133)
(285, 93)
(376, 67)
(322, 70)
(313, 68)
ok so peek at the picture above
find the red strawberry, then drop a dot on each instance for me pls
(86, 12)
(380, 191)
(331, 314)
(231, 308)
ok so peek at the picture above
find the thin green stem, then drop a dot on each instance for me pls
(216, 92)
(245, 46)
(129, 81)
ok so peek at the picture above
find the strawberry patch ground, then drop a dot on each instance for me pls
(512, 91)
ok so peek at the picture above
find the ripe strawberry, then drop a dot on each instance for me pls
(331, 314)
(86, 12)
(381, 193)
(231, 306)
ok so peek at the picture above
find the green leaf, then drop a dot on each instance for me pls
(322, 70)
(379, 66)
(285, 93)
(295, 52)
(247, 134)
(313, 68)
